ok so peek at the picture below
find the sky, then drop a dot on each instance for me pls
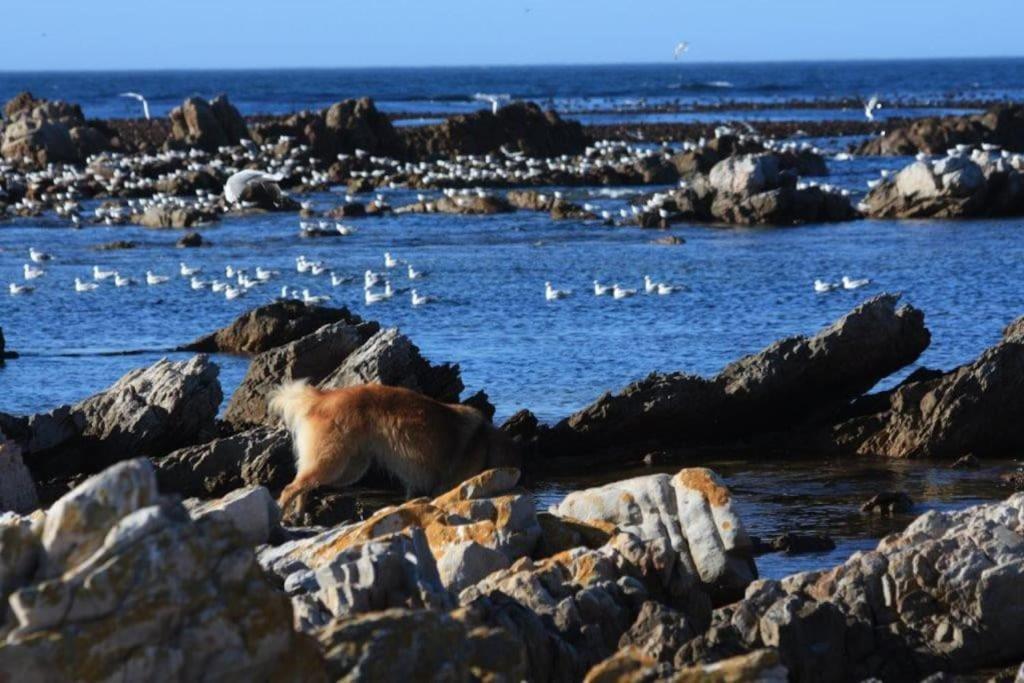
(134, 34)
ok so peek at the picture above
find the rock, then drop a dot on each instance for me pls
(348, 210)
(390, 358)
(401, 645)
(313, 357)
(4, 353)
(745, 175)
(658, 632)
(355, 124)
(47, 132)
(943, 595)
(971, 409)
(255, 457)
(967, 462)
(250, 510)
(174, 217)
(207, 125)
(116, 245)
(628, 665)
(784, 386)
(633, 666)
(17, 490)
(469, 205)
(1014, 479)
(128, 587)
(1002, 125)
(793, 544)
(266, 327)
(692, 512)
(519, 126)
(191, 240)
(888, 503)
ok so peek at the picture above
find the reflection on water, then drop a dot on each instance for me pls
(823, 497)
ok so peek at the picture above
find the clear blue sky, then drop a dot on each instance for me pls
(146, 34)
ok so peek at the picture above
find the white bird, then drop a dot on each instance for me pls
(32, 273)
(871, 106)
(621, 292)
(262, 274)
(372, 297)
(821, 287)
(344, 230)
(84, 286)
(38, 256)
(122, 281)
(98, 274)
(317, 268)
(650, 286)
(664, 289)
(851, 283)
(310, 300)
(218, 286)
(196, 283)
(140, 98)
(232, 293)
(229, 271)
(680, 49)
(187, 271)
(495, 100)
(372, 279)
(419, 300)
(17, 289)
(552, 294)
(338, 280)
(236, 184)
(416, 274)
(154, 279)
(601, 290)
(389, 260)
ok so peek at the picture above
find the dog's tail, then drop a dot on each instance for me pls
(292, 402)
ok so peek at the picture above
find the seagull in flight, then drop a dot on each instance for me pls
(140, 98)
(495, 100)
(871, 106)
(680, 50)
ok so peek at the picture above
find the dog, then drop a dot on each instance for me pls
(429, 446)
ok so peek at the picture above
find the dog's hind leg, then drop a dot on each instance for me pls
(336, 464)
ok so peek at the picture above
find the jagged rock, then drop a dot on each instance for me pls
(658, 632)
(266, 327)
(469, 205)
(356, 124)
(402, 645)
(191, 240)
(520, 126)
(47, 132)
(952, 187)
(943, 595)
(692, 512)
(746, 174)
(971, 409)
(207, 125)
(1002, 125)
(250, 510)
(149, 411)
(630, 665)
(389, 357)
(116, 245)
(888, 502)
(256, 457)
(530, 200)
(787, 384)
(173, 217)
(17, 490)
(128, 587)
(313, 357)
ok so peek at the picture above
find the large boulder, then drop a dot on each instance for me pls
(45, 132)
(162, 216)
(1002, 125)
(207, 125)
(269, 326)
(746, 174)
(520, 126)
(17, 490)
(943, 595)
(787, 384)
(958, 186)
(118, 583)
(975, 409)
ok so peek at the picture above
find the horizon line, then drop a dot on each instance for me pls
(683, 63)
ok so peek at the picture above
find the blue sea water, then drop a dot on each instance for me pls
(744, 288)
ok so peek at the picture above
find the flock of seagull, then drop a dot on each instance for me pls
(615, 290)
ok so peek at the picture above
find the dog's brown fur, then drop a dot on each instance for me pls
(430, 446)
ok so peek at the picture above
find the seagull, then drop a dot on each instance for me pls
(122, 281)
(32, 273)
(317, 268)
(664, 289)
(232, 293)
(38, 256)
(389, 260)
(196, 283)
(372, 297)
(650, 286)
(218, 286)
(154, 279)
(552, 294)
(416, 274)
(821, 287)
(344, 230)
(262, 274)
(871, 106)
(84, 286)
(236, 184)
(601, 290)
(372, 279)
(98, 274)
(188, 272)
(680, 50)
(419, 300)
(850, 283)
(495, 100)
(17, 289)
(311, 300)
(140, 98)
(621, 292)
(338, 280)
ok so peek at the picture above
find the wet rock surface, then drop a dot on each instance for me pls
(1001, 125)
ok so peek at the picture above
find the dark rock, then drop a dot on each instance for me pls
(793, 544)
(174, 217)
(207, 125)
(1002, 125)
(270, 326)
(117, 245)
(324, 507)
(348, 210)
(520, 126)
(191, 240)
(1014, 479)
(888, 503)
(481, 402)
(659, 631)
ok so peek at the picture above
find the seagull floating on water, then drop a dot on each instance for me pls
(98, 274)
(851, 283)
(389, 260)
(122, 281)
(552, 294)
(602, 290)
(31, 273)
(84, 286)
(154, 279)
(17, 289)
(416, 274)
(187, 271)
(419, 300)
(821, 286)
(621, 292)
(38, 256)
